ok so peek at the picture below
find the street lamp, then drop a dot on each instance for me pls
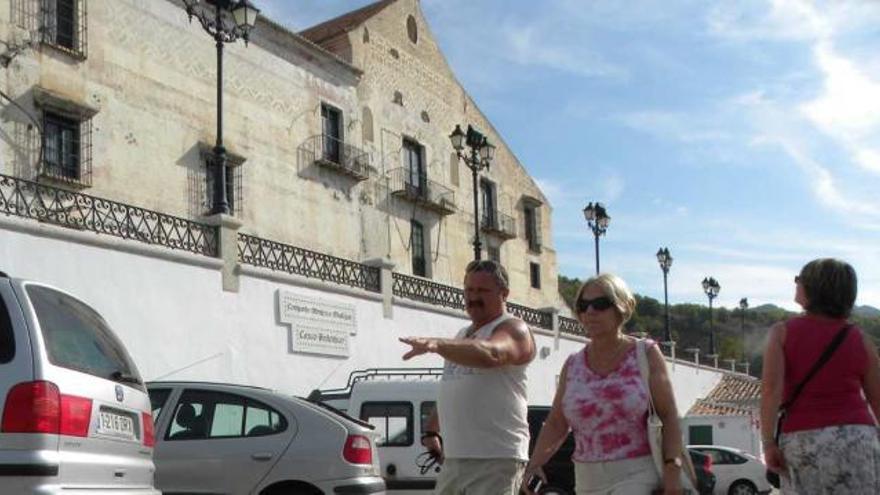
(743, 306)
(665, 260)
(597, 218)
(481, 155)
(711, 287)
(226, 21)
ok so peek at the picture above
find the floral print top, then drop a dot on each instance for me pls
(607, 413)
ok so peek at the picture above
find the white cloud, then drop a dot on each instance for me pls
(537, 45)
(676, 126)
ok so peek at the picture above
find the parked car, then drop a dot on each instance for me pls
(75, 413)
(736, 472)
(703, 468)
(236, 439)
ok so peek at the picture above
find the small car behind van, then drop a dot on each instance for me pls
(74, 413)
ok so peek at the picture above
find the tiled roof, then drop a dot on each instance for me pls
(346, 22)
(734, 395)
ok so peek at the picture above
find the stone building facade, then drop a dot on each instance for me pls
(323, 128)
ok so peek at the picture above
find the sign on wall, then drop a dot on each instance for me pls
(317, 326)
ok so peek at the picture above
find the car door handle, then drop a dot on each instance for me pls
(262, 456)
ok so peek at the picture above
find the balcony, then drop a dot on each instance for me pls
(498, 224)
(335, 154)
(429, 194)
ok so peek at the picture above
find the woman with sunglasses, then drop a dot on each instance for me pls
(829, 437)
(603, 400)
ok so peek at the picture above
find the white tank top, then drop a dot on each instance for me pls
(483, 410)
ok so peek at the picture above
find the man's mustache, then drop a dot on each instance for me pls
(475, 304)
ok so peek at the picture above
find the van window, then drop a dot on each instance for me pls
(427, 409)
(7, 339)
(78, 338)
(393, 422)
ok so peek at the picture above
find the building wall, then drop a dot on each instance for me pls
(741, 432)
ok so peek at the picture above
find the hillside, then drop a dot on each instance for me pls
(735, 332)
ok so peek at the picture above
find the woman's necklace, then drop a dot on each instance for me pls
(604, 362)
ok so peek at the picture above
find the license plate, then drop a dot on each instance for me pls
(110, 423)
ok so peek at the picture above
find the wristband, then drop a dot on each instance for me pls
(431, 434)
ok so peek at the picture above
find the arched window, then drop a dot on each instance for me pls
(367, 126)
(412, 29)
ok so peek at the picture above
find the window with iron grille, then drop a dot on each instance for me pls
(532, 218)
(535, 275)
(417, 248)
(66, 149)
(416, 175)
(63, 25)
(331, 133)
(487, 199)
(494, 253)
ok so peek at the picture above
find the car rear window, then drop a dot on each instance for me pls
(7, 339)
(78, 338)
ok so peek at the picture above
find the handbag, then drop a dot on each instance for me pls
(772, 477)
(655, 429)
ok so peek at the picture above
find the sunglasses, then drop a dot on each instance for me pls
(599, 304)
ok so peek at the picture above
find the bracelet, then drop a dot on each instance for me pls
(431, 434)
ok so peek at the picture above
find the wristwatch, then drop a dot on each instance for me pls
(676, 461)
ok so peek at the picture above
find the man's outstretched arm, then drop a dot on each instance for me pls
(510, 344)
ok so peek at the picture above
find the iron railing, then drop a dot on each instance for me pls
(571, 326)
(499, 223)
(531, 316)
(79, 211)
(291, 259)
(419, 289)
(334, 153)
(421, 190)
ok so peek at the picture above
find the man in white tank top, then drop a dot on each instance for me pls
(482, 408)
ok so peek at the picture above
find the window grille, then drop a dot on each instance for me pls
(61, 23)
(67, 149)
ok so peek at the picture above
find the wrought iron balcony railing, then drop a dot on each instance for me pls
(419, 189)
(79, 211)
(531, 316)
(500, 224)
(336, 154)
(426, 291)
(291, 259)
(571, 326)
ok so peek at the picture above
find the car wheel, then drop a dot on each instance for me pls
(743, 487)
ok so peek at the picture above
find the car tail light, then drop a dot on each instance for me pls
(38, 407)
(149, 436)
(358, 450)
(32, 407)
(76, 413)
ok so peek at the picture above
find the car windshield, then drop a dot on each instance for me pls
(78, 338)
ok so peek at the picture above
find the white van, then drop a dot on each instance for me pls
(398, 402)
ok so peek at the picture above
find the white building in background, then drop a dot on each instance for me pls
(351, 216)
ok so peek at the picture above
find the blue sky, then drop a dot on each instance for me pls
(744, 136)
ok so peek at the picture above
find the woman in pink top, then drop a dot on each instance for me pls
(602, 398)
(829, 438)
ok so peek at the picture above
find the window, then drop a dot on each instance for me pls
(417, 247)
(158, 398)
(426, 409)
(63, 24)
(416, 175)
(700, 435)
(331, 133)
(535, 275)
(66, 148)
(412, 29)
(487, 200)
(453, 169)
(203, 414)
(367, 125)
(234, 181)
(531, 214)
(77, 337)
(393, 422)
(7, 338)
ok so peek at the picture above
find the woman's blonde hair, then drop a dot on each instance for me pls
(614, 288)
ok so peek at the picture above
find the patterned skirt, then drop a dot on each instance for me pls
(834, 460)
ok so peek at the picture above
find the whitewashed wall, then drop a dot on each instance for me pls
(170, 311)
(740, 432)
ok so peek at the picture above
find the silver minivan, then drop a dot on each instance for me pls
(76, 417)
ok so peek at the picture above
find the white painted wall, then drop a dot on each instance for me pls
(170, 311)
(740, 432)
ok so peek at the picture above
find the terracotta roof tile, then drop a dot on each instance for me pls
(734, 395)
(346, 22)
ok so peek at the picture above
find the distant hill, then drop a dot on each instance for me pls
(769, 308)
(866, 311)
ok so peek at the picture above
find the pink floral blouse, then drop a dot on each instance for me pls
(607, 413)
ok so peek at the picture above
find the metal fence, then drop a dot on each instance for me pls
(79, 211)
(531, 316)
(571, 326)
(291, 259)
(419, 289)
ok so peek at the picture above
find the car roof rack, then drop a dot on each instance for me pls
(375, 374)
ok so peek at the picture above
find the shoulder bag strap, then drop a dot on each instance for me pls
(826, 355)
(645, 371)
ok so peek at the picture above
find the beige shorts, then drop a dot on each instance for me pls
(480, 477)
(624, 477)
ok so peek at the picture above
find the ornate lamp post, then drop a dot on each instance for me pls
(226, 21)
(743, 306)
(665, 260)
(481, 155)
(711, 287)
(598, 219)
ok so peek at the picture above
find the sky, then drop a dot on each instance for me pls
(744, 136)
